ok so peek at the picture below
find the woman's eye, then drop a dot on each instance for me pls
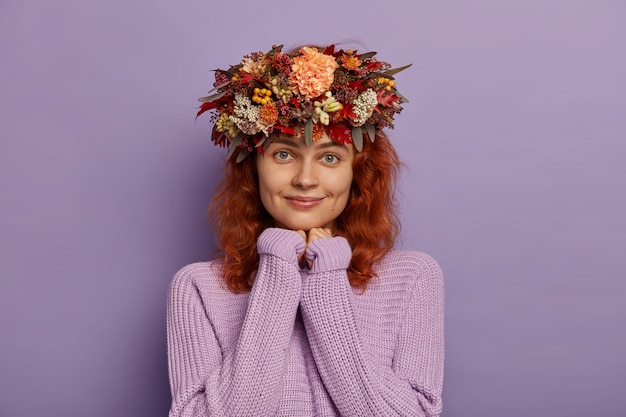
(330, 159)
(283, 155)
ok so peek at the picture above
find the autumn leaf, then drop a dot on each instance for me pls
(339, 133)
(219, 138)
(246, 78)
(285, 129)
(346, 112)
(386, 100)
(374, 65)
(206, 106)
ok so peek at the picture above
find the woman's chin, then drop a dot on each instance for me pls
(303, 226)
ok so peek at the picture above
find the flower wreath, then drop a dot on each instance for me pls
(308, 92)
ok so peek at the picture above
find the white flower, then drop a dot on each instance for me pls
(322, 108)
(364, 105)
(255, 68)
(246, 115)
(321, 115)
(330, 103)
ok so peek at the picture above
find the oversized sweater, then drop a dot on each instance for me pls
(303, 342)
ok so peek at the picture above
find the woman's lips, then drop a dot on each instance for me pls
(304, 202)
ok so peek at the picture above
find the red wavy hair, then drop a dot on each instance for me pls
(369, 221)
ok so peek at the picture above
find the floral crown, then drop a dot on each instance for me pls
(341, 93)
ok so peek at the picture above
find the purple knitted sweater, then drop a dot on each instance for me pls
(304, 342)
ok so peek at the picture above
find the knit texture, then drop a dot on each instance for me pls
(303, 342)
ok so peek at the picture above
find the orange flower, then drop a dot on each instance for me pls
(312, 72)
(349, 61)
(268, 114)
(318, 132)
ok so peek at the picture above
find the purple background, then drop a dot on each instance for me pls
(514, 180)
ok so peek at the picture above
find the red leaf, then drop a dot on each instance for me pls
(207, 106)
(357, 85)
(330, 49)
(258, 142)
(374, 65)
(219, 138)
(286, 130)
(247, 78)
(339, 133)
(346, 112)
(386, 100)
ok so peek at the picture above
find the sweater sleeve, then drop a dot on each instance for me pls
(208, 382)
(359, 385)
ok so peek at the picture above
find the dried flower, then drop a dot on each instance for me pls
(318, 132)
(364, 105)
(332, 90)
(312, 72)
(268, 114)
(349, 61)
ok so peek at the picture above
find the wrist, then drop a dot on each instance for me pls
(329, 254)
(284, 243)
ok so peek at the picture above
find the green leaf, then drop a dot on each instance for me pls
(366, 55)
(357, 138)
(233, 145)
(224, 84)
(371, 132)
(396, 70)
(377, 74)
(308, 132)
(242, 155)
(232, 70)
(404, 99)
(212, 97)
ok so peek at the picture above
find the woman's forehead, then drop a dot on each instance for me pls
(298, 141)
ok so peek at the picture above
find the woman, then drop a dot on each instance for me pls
(309, 311)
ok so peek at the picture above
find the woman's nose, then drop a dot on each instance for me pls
(305, 176)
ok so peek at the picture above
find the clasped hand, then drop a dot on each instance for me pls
(315, 233)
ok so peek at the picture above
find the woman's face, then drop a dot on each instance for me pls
(303, 187)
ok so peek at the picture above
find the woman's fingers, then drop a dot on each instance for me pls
(317, 233)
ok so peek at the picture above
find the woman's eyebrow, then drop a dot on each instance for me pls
(287, 142)
(332, 145)
(298, 144)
